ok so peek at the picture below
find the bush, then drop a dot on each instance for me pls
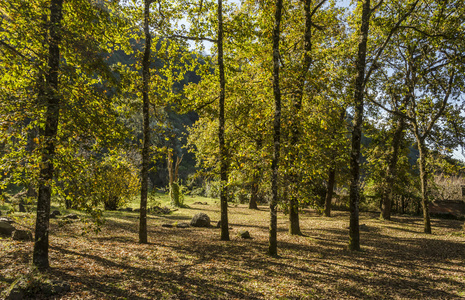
(111, 182)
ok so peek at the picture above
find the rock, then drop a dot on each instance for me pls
(128, 209)
(182, 225)
(244, 234)
(46, 289)
(54, 214)
(167, 225)
(14, 292)
(22, 235)
(136, 210)
(71, 217)
(61, 287)
(6, 228)
(201, 203)
(6, 219)
(160, 210)
(200, 220)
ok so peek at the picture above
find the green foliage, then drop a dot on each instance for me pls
(88, 183)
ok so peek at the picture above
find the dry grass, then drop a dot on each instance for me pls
(397, 261)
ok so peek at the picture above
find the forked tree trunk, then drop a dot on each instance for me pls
(354, 231)
(294, 224)
(273, 240)
(392, 170)
(52, 115)
(254, 192)
(221, 129)
(175, 193)
(146, 130)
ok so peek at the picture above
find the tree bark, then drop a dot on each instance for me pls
(273, 241)
(424, 185)
(254, 189)
(329, 192)
(52, 115)
(221, 128)
(146, 130)
(354, 231)
(294, 224)
(255, 181)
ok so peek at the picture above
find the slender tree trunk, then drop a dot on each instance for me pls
(254, 190)
(392, 170)
(146, 118)
(354, 232)
(332, 173)
(273, 240)
(294, 224)
(329, 193)
(402, 204)
(52, 115)
(255, 181)
(174, 190)
(424, 185)
(223, 152)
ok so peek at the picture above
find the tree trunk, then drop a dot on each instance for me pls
(392, 169)
(329, 192)
(174, 189)
(294, 225)
(223, 154)
(52, 115)
(354, 232)
(402, 204)
(424, 185)
(255, 181)
(146, 118)
(273, 241)
(332, 172)
(254, 191)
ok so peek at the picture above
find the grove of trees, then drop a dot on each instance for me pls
(292, 103)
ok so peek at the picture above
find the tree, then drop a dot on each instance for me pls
(362, 78)
(223, 153)
(52, 98)
(354, 235)
(273, 242)
(146, 125)
(65, 84)
(426, 67)
(175, 193)
(199, 32)
(297, 96)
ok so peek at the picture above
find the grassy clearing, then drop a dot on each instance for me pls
(398, 261)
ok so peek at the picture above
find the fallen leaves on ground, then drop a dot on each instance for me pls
(398, 261)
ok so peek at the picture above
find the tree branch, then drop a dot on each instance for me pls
(391, 33)
(192, 38)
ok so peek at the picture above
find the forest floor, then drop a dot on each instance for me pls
(397, 260)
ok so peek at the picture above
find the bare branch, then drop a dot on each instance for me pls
(391, 33)
(192, 38)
